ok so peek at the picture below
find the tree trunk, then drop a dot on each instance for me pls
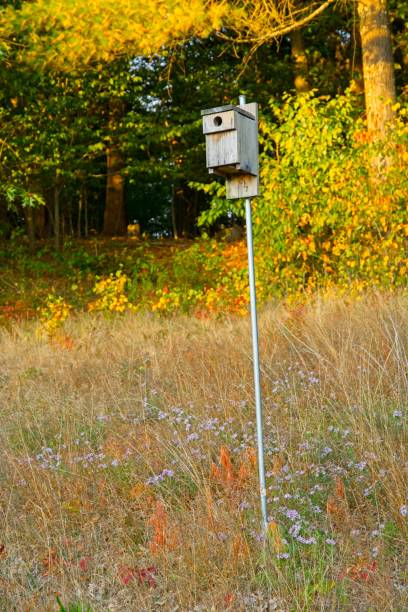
(85, 200)
(39, 222)
(174, 213)
(57, 223)
(299, 58)
(114, 220)
(29, 218)
(70, 220)
(378, 67)
(80, 207)
(63, 230)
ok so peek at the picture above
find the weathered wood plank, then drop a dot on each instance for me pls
(220, 122)
(222, 149)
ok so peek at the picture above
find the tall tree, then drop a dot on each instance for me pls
(378, 66)
(114, 219)
(299, 59)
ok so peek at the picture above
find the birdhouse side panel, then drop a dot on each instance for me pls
(248, 146)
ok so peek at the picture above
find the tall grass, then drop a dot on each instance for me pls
(127, 474)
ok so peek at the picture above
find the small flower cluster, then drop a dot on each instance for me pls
(153, 480)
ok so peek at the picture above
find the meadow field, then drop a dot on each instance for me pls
(128, 462)
(128, 448)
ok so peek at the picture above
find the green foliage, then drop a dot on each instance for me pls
(322, 217)
(73, 607)
(81, 262)
(14, 194)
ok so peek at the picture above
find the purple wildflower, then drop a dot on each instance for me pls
(283, 555)
(303, 540)
(292, 515)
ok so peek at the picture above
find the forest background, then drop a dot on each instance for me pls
(128, 469)
(101, 129)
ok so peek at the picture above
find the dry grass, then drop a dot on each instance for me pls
(127, 471)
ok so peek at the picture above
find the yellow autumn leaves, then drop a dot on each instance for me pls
(111, 294)
(65, 33)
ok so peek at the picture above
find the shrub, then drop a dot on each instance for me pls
(52, 315)
(327, 214)
(111, 292)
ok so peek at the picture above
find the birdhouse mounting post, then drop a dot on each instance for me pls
(231, 134)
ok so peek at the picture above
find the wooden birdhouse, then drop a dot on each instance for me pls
(231, 138)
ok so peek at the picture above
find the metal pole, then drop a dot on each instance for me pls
(255, 352)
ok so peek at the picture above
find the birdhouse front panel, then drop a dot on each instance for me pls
(222, 150)
(219, 122)
(231, 137)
